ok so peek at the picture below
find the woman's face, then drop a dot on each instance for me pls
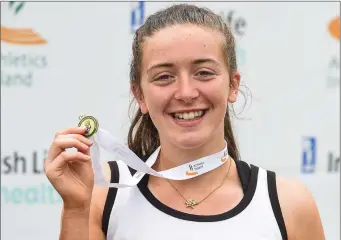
(185, 85)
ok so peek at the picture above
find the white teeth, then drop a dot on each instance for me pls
(191, 115)
(188, 115)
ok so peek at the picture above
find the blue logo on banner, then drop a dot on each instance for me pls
(241, 56)
(137, 15)
(308, 155)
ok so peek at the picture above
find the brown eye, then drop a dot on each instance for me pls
(205, 73)
(164, 77)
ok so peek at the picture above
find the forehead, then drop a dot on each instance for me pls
(183, 42)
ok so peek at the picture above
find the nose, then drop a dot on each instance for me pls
(186, 90)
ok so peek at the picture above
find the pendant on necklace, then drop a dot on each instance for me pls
(191, 203)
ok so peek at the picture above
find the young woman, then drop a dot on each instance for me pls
(184, 77)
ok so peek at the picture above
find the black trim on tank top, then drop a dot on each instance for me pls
(110, 200)
(143, 186)
(244, 172)
(243, 169)
(272, 189)
(131, 170)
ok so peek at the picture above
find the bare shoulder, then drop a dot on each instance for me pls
(99, 196)
(299, 209)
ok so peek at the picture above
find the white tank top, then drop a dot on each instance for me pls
(135, 214)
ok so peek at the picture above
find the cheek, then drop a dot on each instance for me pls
(156, 99)
(217, 93)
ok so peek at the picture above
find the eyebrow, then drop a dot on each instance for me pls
(194, 62)
(204, 60)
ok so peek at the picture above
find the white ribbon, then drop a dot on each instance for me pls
(186, 171)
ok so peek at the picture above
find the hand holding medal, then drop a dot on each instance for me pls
(73, 174)
(70, 172)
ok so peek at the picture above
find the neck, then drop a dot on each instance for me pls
(172, 156)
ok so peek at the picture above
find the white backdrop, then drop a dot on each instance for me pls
(289, 58)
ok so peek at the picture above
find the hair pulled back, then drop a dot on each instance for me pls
(143, 138)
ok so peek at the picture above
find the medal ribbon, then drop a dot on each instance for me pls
(185, 171)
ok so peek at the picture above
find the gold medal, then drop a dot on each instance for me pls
(90, 123)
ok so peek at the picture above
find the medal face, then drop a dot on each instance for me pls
(91, 125)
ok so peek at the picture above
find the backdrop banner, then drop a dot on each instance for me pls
(63, 59)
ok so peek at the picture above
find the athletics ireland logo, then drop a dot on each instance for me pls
(20, 36)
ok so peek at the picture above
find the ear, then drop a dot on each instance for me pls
(139, 97)
(234, 86)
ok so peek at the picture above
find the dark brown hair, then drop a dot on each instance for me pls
(143, 138)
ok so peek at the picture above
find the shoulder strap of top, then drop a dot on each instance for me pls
(244, 172)
(112, 192)
(276, 208)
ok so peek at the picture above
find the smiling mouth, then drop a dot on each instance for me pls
(186, 116)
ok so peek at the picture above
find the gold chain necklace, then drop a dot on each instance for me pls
(190, 203)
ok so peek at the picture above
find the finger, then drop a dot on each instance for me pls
(66, 157)
(60, 144)
(79, 137)
(73, 130)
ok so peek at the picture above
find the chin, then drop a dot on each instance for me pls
(190, 141)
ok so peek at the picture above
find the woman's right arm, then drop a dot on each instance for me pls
(85, 223)
(76, 225)
(72, 176)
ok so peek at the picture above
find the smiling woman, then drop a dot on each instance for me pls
(185, 62)
(184, 77)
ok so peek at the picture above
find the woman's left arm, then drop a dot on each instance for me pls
(300, 212)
